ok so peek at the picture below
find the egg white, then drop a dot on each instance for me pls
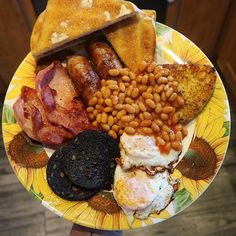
(163, 197)
(139, 150)
(131, 186)
(134, 190)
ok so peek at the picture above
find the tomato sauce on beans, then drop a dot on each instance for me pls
(145, 103)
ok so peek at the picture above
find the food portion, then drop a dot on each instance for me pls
(142, 152)
(32, 118)
(84, 77)
(60, 99)
(104, 58)
(146, 103)
(91, 162)
(51, 114)
(61, 24)
(115, 118)
(139, 194)
(196, 85)
(61, 184)
(83, 167)
(124, 37)
(53, 82)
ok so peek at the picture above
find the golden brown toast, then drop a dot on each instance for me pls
(196, 85)
(150, 13)
(37, 30)
(135, 39)
(70, 20)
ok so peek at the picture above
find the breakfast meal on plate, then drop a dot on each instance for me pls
(114, 117)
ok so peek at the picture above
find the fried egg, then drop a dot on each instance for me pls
(139, 150)
(139, 194)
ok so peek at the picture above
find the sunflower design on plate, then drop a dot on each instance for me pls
(22, 150)
(195, 171)
(205, 154)
(181, 50)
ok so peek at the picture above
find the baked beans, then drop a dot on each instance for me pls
(145, 102)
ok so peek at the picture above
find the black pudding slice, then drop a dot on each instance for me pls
(90, 161)
(60, 183)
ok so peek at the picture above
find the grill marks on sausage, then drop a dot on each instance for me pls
(104, 58)
(84, 77)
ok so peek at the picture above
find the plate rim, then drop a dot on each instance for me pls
(55, 211)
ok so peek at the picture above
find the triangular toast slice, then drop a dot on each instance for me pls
(72, 20)
(36, 31)
(196, 85)
(150, 13)
(135, 39)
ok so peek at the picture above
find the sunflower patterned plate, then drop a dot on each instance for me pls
(204, 149)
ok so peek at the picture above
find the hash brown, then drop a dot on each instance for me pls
(196, 85)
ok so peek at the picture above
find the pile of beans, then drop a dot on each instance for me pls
(145, 103)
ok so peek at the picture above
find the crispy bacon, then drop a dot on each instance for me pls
(23, 118)
(31, 117)
(48, 98)
(54, 135)
(58, 81)
(47, 75)
(52, 113)
(74, 120)
(59, 98)
(37, 119)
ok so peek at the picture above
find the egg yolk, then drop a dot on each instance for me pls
(132, 193)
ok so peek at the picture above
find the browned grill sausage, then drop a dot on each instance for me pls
(85, 79)
(104, 58)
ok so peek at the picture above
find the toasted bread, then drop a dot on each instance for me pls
(37, 30)
(196, 85)
(72, 20)
(150, 13)
(135, 39)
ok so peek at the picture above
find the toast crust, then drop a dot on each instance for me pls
(135, 39)
(61, 24)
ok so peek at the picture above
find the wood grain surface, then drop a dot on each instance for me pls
(226, 48)
(14, 38)
(213, 214)
(199, 20)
